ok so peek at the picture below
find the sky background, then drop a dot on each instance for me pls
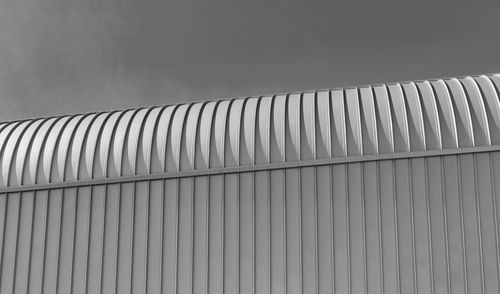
(71, 56)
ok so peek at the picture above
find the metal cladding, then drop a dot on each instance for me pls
(342, 123)
(378, 189)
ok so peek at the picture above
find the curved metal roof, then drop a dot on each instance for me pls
(341, 123)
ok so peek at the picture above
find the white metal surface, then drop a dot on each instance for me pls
(384, 189)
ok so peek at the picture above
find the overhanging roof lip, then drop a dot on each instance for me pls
(251, 168)
(270, 131)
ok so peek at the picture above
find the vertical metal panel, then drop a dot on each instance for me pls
(140, 239)
(67, 241)
(24, 241)
(324, 225)
(52, 241)
(185, 236)
(216, 235)
(110, 239)
(278, 232)
(472, 251)
(170, 236)
(98, 214)
(10, 236)
(200, 235)
(453, 205)
(38, 241)
(262, 232)
(356, 227)
(420, 203)
(247, 233)
(81, 239)
(439, 231)
(388, 212)
(487, 214)
(155, 237)
(293, 232)
(125, 238)
(405, 226)
(340, 230)
(495, 177)
(308, 228)
(3, 219)
(374, 271)
(414, 225)
(231, 233)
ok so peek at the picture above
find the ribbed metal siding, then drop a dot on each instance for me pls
(256, 131)
(385, 189)
(420, 225)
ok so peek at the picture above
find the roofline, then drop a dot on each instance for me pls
(263, 95)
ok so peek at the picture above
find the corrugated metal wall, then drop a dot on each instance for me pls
(419, 225)
(378, 189)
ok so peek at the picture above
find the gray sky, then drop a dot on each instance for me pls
(68, 56)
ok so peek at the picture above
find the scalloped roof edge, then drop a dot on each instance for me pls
(353, 122)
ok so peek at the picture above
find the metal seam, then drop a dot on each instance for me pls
(257, 167)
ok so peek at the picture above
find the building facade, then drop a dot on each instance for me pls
(376, 189)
